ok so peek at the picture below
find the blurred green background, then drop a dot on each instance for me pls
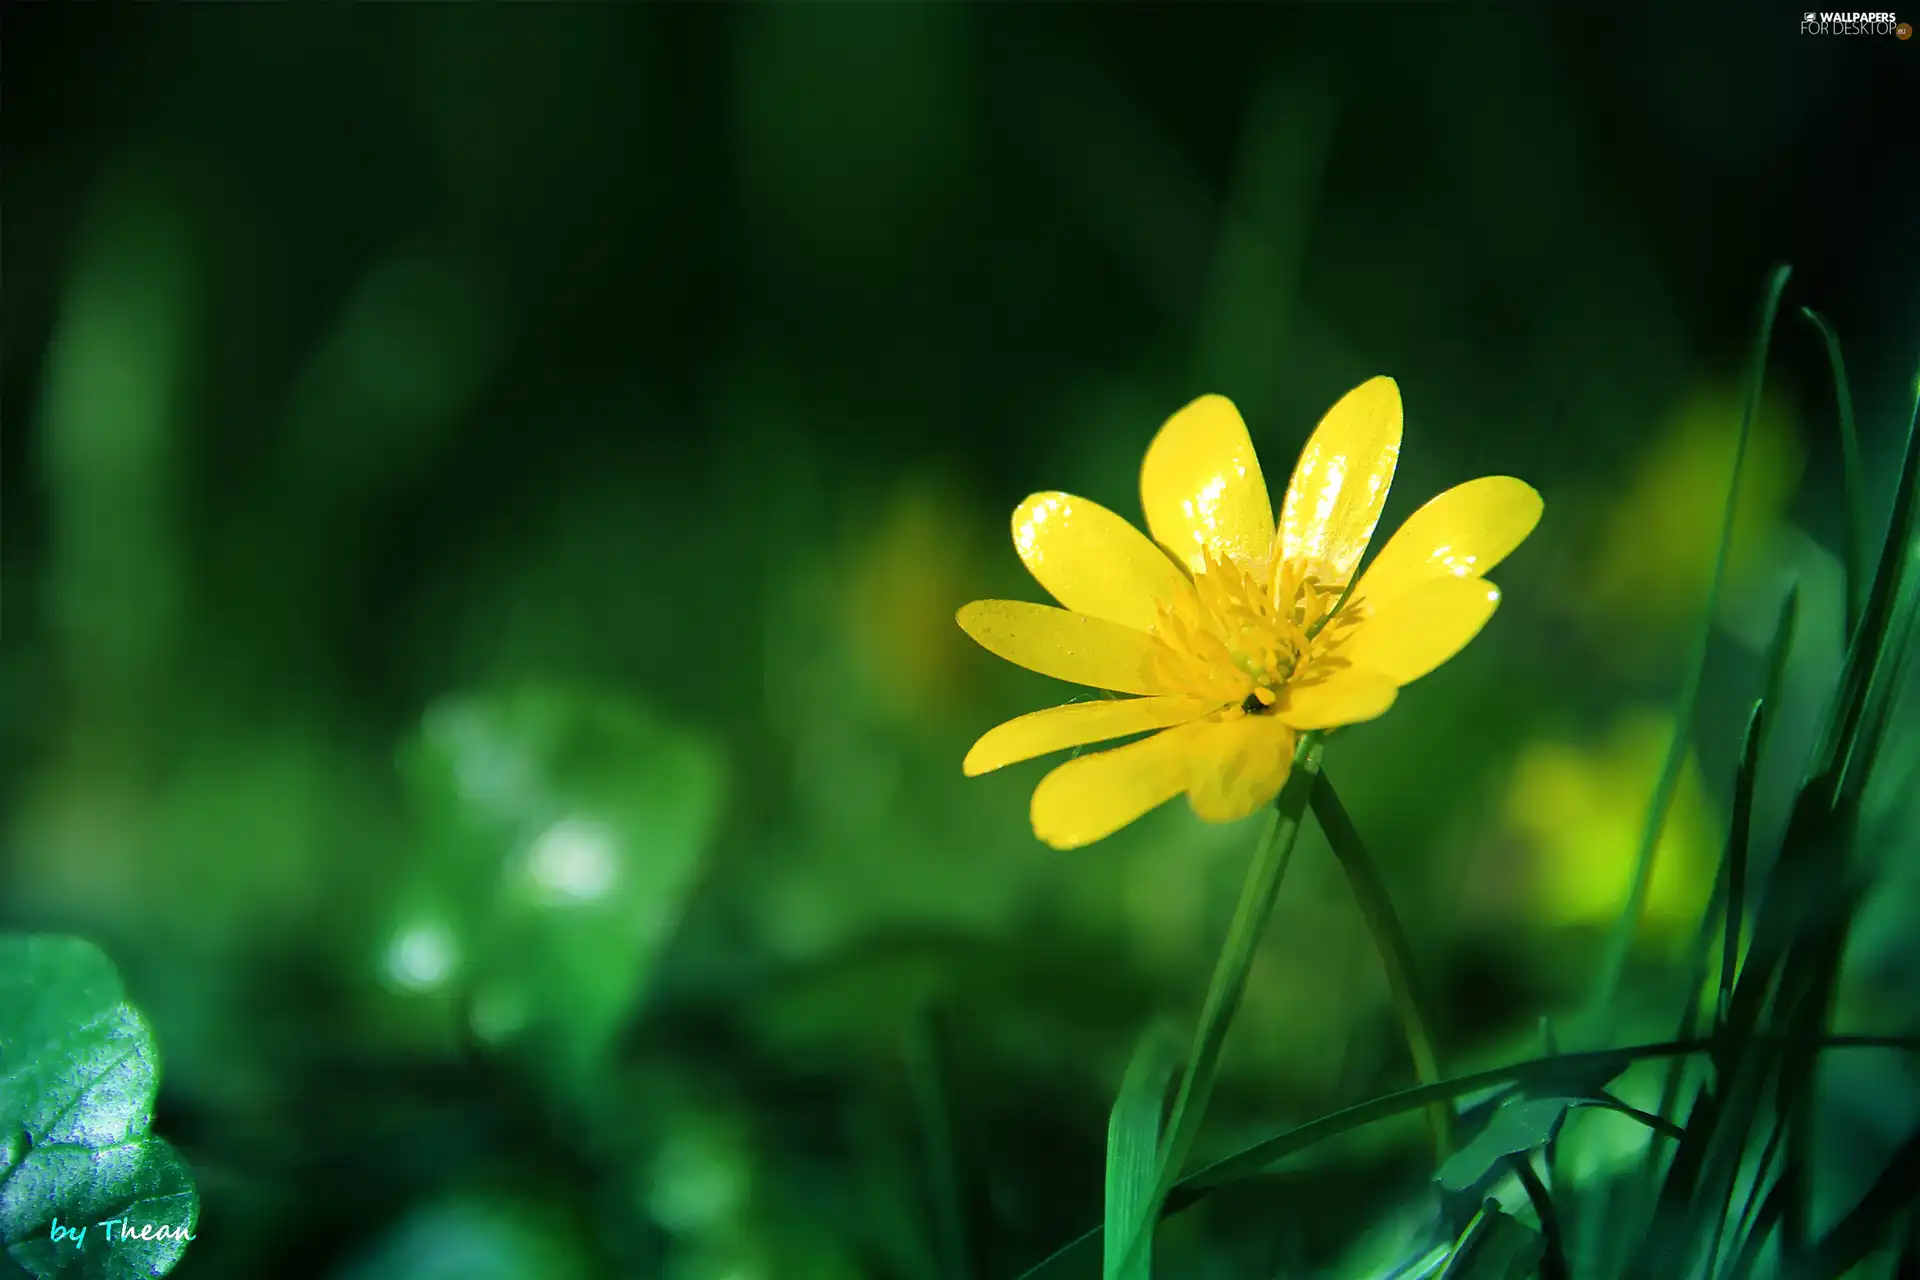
(487, 490)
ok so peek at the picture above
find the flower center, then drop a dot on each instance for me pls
(1249, 630)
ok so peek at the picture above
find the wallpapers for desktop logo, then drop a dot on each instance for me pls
(1854, 24)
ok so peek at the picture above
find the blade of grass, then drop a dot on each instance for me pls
(1905, 638)
(1739, 832)
(1133, 1150)
(1396, 953)
(1539, 1072)
(1854, 554)
(1868, 1224)
(1865, 654)
(1727, 900)
(1798, 1094)
(1764, 1223)
(1495, 1246)
(934, 1103)
(1550, 1156)
(1620, 943)
(1729, 890)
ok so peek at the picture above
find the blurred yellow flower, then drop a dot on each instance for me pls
(905, 566)
(1657, 546)
(1231, 632)
(1582, 810)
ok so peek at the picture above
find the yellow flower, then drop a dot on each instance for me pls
(1230, 633)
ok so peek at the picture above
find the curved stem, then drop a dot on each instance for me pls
(1396, 954)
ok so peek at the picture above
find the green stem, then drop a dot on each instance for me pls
(1229, 983)
(1553, 1265)
(1396, 953)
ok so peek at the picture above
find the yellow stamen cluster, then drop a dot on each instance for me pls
(1244, 635)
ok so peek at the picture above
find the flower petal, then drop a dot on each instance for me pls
(1094, 562)
(1427, 624)
(1345, 695)
(1461, 533)
(1066, 646)
(1077, 724)
(1239, 767)
(1341, 481)
(1202, 489)
(1094, 796)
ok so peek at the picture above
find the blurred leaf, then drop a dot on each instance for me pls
(111, 443)
(564, 833)
(133, 1205)
(473, 1238)
(78, 1075)
(1580, 808)
(77, 1063)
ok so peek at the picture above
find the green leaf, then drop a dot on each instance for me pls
(1133, 1149)
(564, 832)
(77, 1063)
(1519, 1124)
(119, 1211)
(78, 1075)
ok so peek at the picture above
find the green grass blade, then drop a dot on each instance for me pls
(1495, 1246)
(944, 1193)
(1620, 943)
(1727, 902)
(1854, 554)
(1797, 1094)
(1739, 832)
(1889, 687)
(1870, 1223)
(1760, 1216)
(1866, 654)
(1396, 953)
(1540, 1074)
(1133, 1151)
(1740, 826)
(1764, 1223)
